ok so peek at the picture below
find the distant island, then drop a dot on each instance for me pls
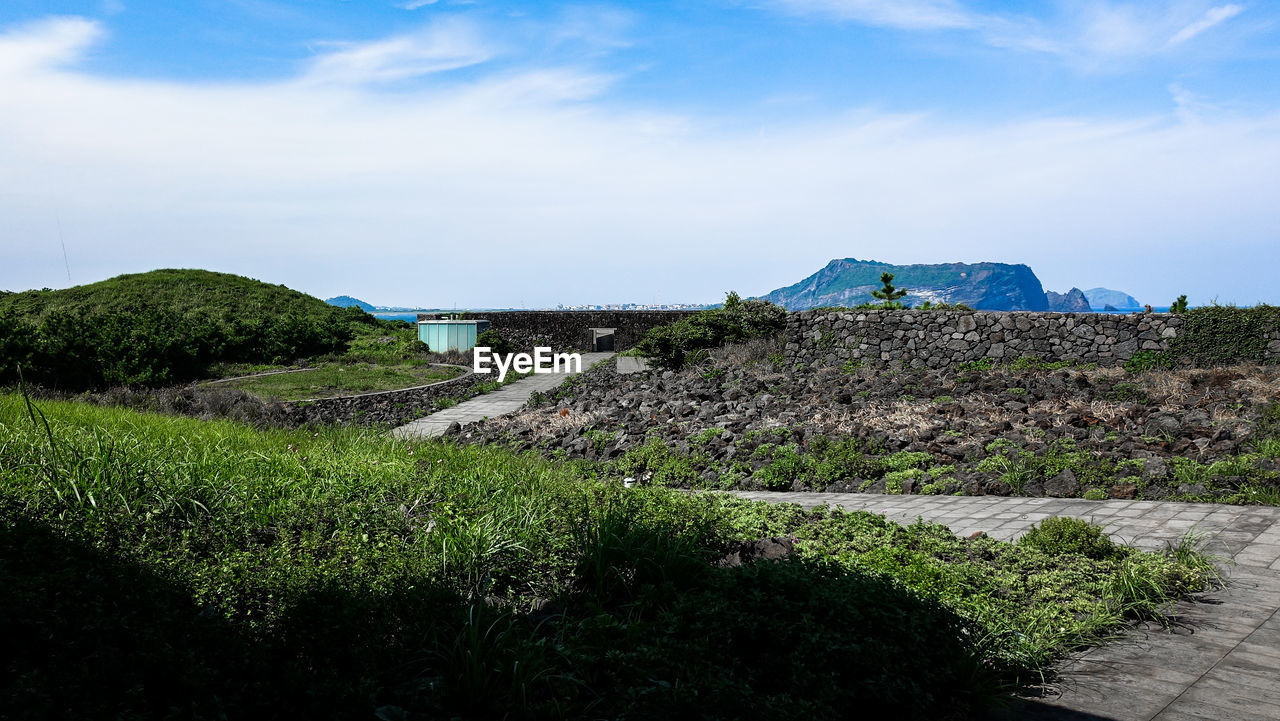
(983, 286)
(346, 301)
(1107, 299)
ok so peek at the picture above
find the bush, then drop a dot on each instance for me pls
(494, 341)
(673, 345)
(1062, 535)
(786, 466)
(1146, 360)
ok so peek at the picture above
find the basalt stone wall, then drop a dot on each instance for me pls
(389, 407)
(935, 339)
(569, 330)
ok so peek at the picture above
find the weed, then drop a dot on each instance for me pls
(980, 365)
(1062, 534)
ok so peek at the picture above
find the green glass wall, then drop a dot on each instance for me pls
(447, 335)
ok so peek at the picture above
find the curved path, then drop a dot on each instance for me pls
(506, 399)
(1219, 661)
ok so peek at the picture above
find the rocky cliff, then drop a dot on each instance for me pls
(983, 286)
(1073, 301)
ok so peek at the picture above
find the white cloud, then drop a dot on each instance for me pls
(446, 45)
(415, 4)
(519, 186)
(904, 14)
(46, 43)
(1090, 35)
(1212, 17)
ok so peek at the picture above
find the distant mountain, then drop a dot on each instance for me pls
(983, 286)
(1118, 300)
(346, 301)
(1073, 301)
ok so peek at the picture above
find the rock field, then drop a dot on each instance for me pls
(742, 421)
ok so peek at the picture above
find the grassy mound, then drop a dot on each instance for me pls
(163, 327)
(153, 567)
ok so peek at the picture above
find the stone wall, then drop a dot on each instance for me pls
(570, 330)
(934, 339)
(388, 407)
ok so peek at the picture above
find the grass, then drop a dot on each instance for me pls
(337, 379)
(153, 566)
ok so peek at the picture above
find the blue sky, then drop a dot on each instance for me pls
(494, 154)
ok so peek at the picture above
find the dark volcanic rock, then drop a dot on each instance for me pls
(1063, 485)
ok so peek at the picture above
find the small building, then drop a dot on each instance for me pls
(446, 335)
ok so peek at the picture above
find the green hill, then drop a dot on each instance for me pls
(162, 327)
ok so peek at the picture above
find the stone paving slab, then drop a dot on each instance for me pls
(506, 399)
(1219, 660)
(631, 364)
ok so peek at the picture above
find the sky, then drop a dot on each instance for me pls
(489, 154)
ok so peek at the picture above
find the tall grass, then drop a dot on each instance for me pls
(151, 563)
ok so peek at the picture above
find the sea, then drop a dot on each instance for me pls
(388, 315)
(1156, 309)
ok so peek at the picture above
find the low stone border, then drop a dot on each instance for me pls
(391, 407)
(256, 375)
(465, 372)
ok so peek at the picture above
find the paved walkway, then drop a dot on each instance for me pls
(1219, 661)
(506, 399)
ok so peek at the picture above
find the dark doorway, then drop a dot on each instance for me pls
(601, 339)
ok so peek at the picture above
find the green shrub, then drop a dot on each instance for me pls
(982, 364)
(1095, 494)
(1061, 535)
(840, 461)
(667, 467)
(893, 480)
(493, 340)
(687, 340)
(905, 460)
(786, 466)
(1031, 363)
(1147, 360)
